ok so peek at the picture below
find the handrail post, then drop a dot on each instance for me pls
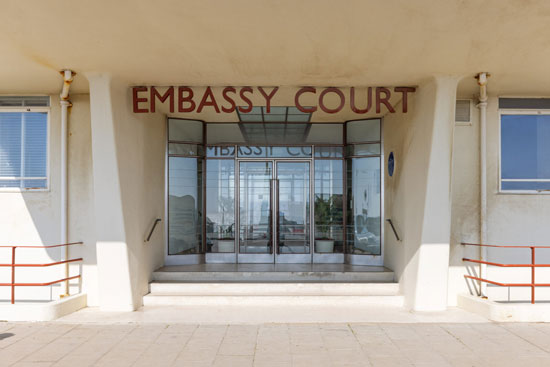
(533, 275)
(13, 275)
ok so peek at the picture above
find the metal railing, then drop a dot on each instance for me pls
(14, 265)
(533, 265)
(152, 229)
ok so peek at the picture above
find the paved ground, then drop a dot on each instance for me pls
(379, 344)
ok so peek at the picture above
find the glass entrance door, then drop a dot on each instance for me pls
(274, 212)
(292, 222)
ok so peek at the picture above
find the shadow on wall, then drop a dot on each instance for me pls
(33, 218)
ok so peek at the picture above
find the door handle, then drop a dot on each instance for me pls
(277, 224)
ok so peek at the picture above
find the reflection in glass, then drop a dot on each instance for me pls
(220, 205)
(293, 208)
(326, 134)
(329, 211)
(185, 149)
(221, 151)
(363, 130)
(273, 152)
(364, 205)
(185, 130)
(525, 152)
(184, 205)
(255, 226)
(363, 149)
(329, 152)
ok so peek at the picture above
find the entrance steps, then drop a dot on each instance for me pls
(272, 294)
(268, 273)
(279, 286)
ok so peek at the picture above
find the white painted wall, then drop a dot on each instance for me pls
(33, 217)
(513, 219)
(418, 196)
(128, 153)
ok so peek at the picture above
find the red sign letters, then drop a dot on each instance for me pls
(183, 99)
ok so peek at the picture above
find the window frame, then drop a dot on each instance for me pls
(46, 110)
(505, 112)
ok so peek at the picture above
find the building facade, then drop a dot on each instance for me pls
(364, 135)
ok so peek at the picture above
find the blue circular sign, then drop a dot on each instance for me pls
(391, 164)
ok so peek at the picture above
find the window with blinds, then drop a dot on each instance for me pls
(23, 150)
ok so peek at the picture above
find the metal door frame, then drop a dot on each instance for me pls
(274, 257)
(295, 258)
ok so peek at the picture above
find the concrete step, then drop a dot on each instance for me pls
(273, 294)
(276, 301)
(274, 289)
(382, 276)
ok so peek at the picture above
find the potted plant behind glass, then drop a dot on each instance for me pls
(323, 221)
(227, 242)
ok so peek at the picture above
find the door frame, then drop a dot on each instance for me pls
(274, 257)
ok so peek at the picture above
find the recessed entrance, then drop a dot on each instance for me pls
(237, 194)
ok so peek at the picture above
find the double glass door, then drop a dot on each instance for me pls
(274, 212)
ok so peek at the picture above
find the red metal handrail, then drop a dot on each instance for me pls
(533, 265)
(13, 265)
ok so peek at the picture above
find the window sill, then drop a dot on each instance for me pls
(20, 191)
(523, 192)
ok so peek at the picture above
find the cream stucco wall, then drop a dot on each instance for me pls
(418, 196)
(512, 219)
(33, 217)
(125, 156)
(128, 153)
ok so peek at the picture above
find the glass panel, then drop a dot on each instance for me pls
(274, 133)
(274, 118)
(220, 205)
(363, 130)
(252, 152)
(295, 133)
(326, 134)
(524, 148)
(274, 152)
(329, 152)
(522, 185)
(363, 149)
(10, 183)
(185, 130)
(329, 206)
(289, 152)
(298, 118)
(364, 204)
(293, 219)
(223, 133)
(185, 149)
(184, 205)
(27, 101)
(34, 184)
(36, 147)
(275, 111)
(255, 226)
(250, 117)
(24, 149)
(221, 152)
(10, 145)
(254, 111)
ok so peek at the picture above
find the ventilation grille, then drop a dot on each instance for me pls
(26, 101)
(462, 111)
